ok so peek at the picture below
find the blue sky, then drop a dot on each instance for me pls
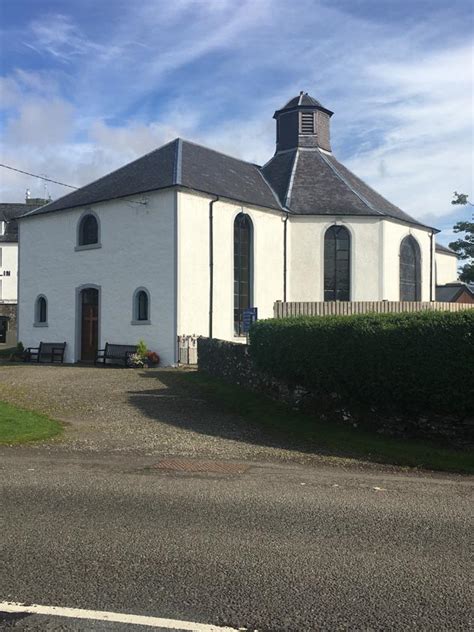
(87, 86)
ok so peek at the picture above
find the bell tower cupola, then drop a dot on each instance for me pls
(302, 122)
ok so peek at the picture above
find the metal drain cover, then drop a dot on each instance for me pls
(206, 467)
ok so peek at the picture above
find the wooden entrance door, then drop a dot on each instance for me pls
(89, 324)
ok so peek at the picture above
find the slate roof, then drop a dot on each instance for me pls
(451, 291)
(179, 163)
(318, 184)
(444, 250)
(302, 99)
(304, 182)
(9, 212)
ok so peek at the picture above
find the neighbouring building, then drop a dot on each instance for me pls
(9, 214)
(184, 239)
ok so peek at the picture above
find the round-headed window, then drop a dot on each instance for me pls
(41, 310)
(88, 230)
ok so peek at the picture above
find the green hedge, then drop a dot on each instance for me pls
(419, 362)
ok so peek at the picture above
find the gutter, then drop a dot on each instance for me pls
(285, 232)
(211, 262)
(431, 266)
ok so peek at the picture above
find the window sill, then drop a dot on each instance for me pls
(88, 247)
(140, 322)
(40, 324)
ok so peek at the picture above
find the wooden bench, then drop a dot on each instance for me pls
(46, 352)
(118, 353)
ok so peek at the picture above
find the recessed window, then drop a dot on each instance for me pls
(243, 270)
(141, 307)
(410, 270)
(88, 233)
(337, 265)
(41, 311)
(307, 123)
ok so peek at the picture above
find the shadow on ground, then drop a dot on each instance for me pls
(178, 402)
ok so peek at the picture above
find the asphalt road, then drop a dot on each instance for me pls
(277, 547)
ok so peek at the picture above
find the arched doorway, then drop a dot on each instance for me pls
(89, 323)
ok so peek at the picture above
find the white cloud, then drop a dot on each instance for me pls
(214, 72)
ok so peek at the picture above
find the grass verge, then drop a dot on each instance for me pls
(19, 426)
(294, 427)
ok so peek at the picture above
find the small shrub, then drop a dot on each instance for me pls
(142, 349)
(413, 362)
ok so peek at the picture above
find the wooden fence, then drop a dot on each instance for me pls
(285, 310)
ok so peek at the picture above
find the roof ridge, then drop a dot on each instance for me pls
(178, 161)
(271, 188)
(289, 189)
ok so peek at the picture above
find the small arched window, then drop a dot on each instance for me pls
(410, 270)
(141, 306)
(337, 264)
(88, 230)
(41, 311)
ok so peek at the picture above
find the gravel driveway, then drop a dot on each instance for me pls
(149, 412)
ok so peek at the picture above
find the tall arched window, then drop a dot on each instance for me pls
(41, 311)
(88, 230)
(141, 306)
(243, 273)
(337, 264)
(410, 270)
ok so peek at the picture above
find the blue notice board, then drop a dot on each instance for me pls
(249, 316)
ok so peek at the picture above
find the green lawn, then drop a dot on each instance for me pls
(326, 437)
(18, 425)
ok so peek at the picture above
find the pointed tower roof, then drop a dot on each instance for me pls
(306, 176)
(302, 100)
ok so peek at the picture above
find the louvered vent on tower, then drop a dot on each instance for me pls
(307, 123)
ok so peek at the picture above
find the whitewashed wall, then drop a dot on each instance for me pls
(138, 249)
(193, 267)
(306, 257)
(375, 262)
(446, 268)
(393, 234)
(8, 263)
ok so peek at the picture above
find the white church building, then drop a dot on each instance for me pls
(184, 239)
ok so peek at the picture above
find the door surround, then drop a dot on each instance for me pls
(78, 319)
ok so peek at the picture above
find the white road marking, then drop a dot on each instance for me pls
(115, 617)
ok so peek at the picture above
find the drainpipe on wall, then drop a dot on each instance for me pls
(211, 261)
(285, 221)
(431, 265)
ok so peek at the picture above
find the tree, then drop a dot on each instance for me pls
(464, 246)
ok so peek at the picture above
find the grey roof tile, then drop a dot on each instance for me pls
(210, 171)
(445, 250)
(155, 170)
(9, 213)
(179, 163)
(451, 291)
(323, 186)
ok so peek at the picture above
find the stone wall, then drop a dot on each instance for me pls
(232, 363)
(9, 310)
